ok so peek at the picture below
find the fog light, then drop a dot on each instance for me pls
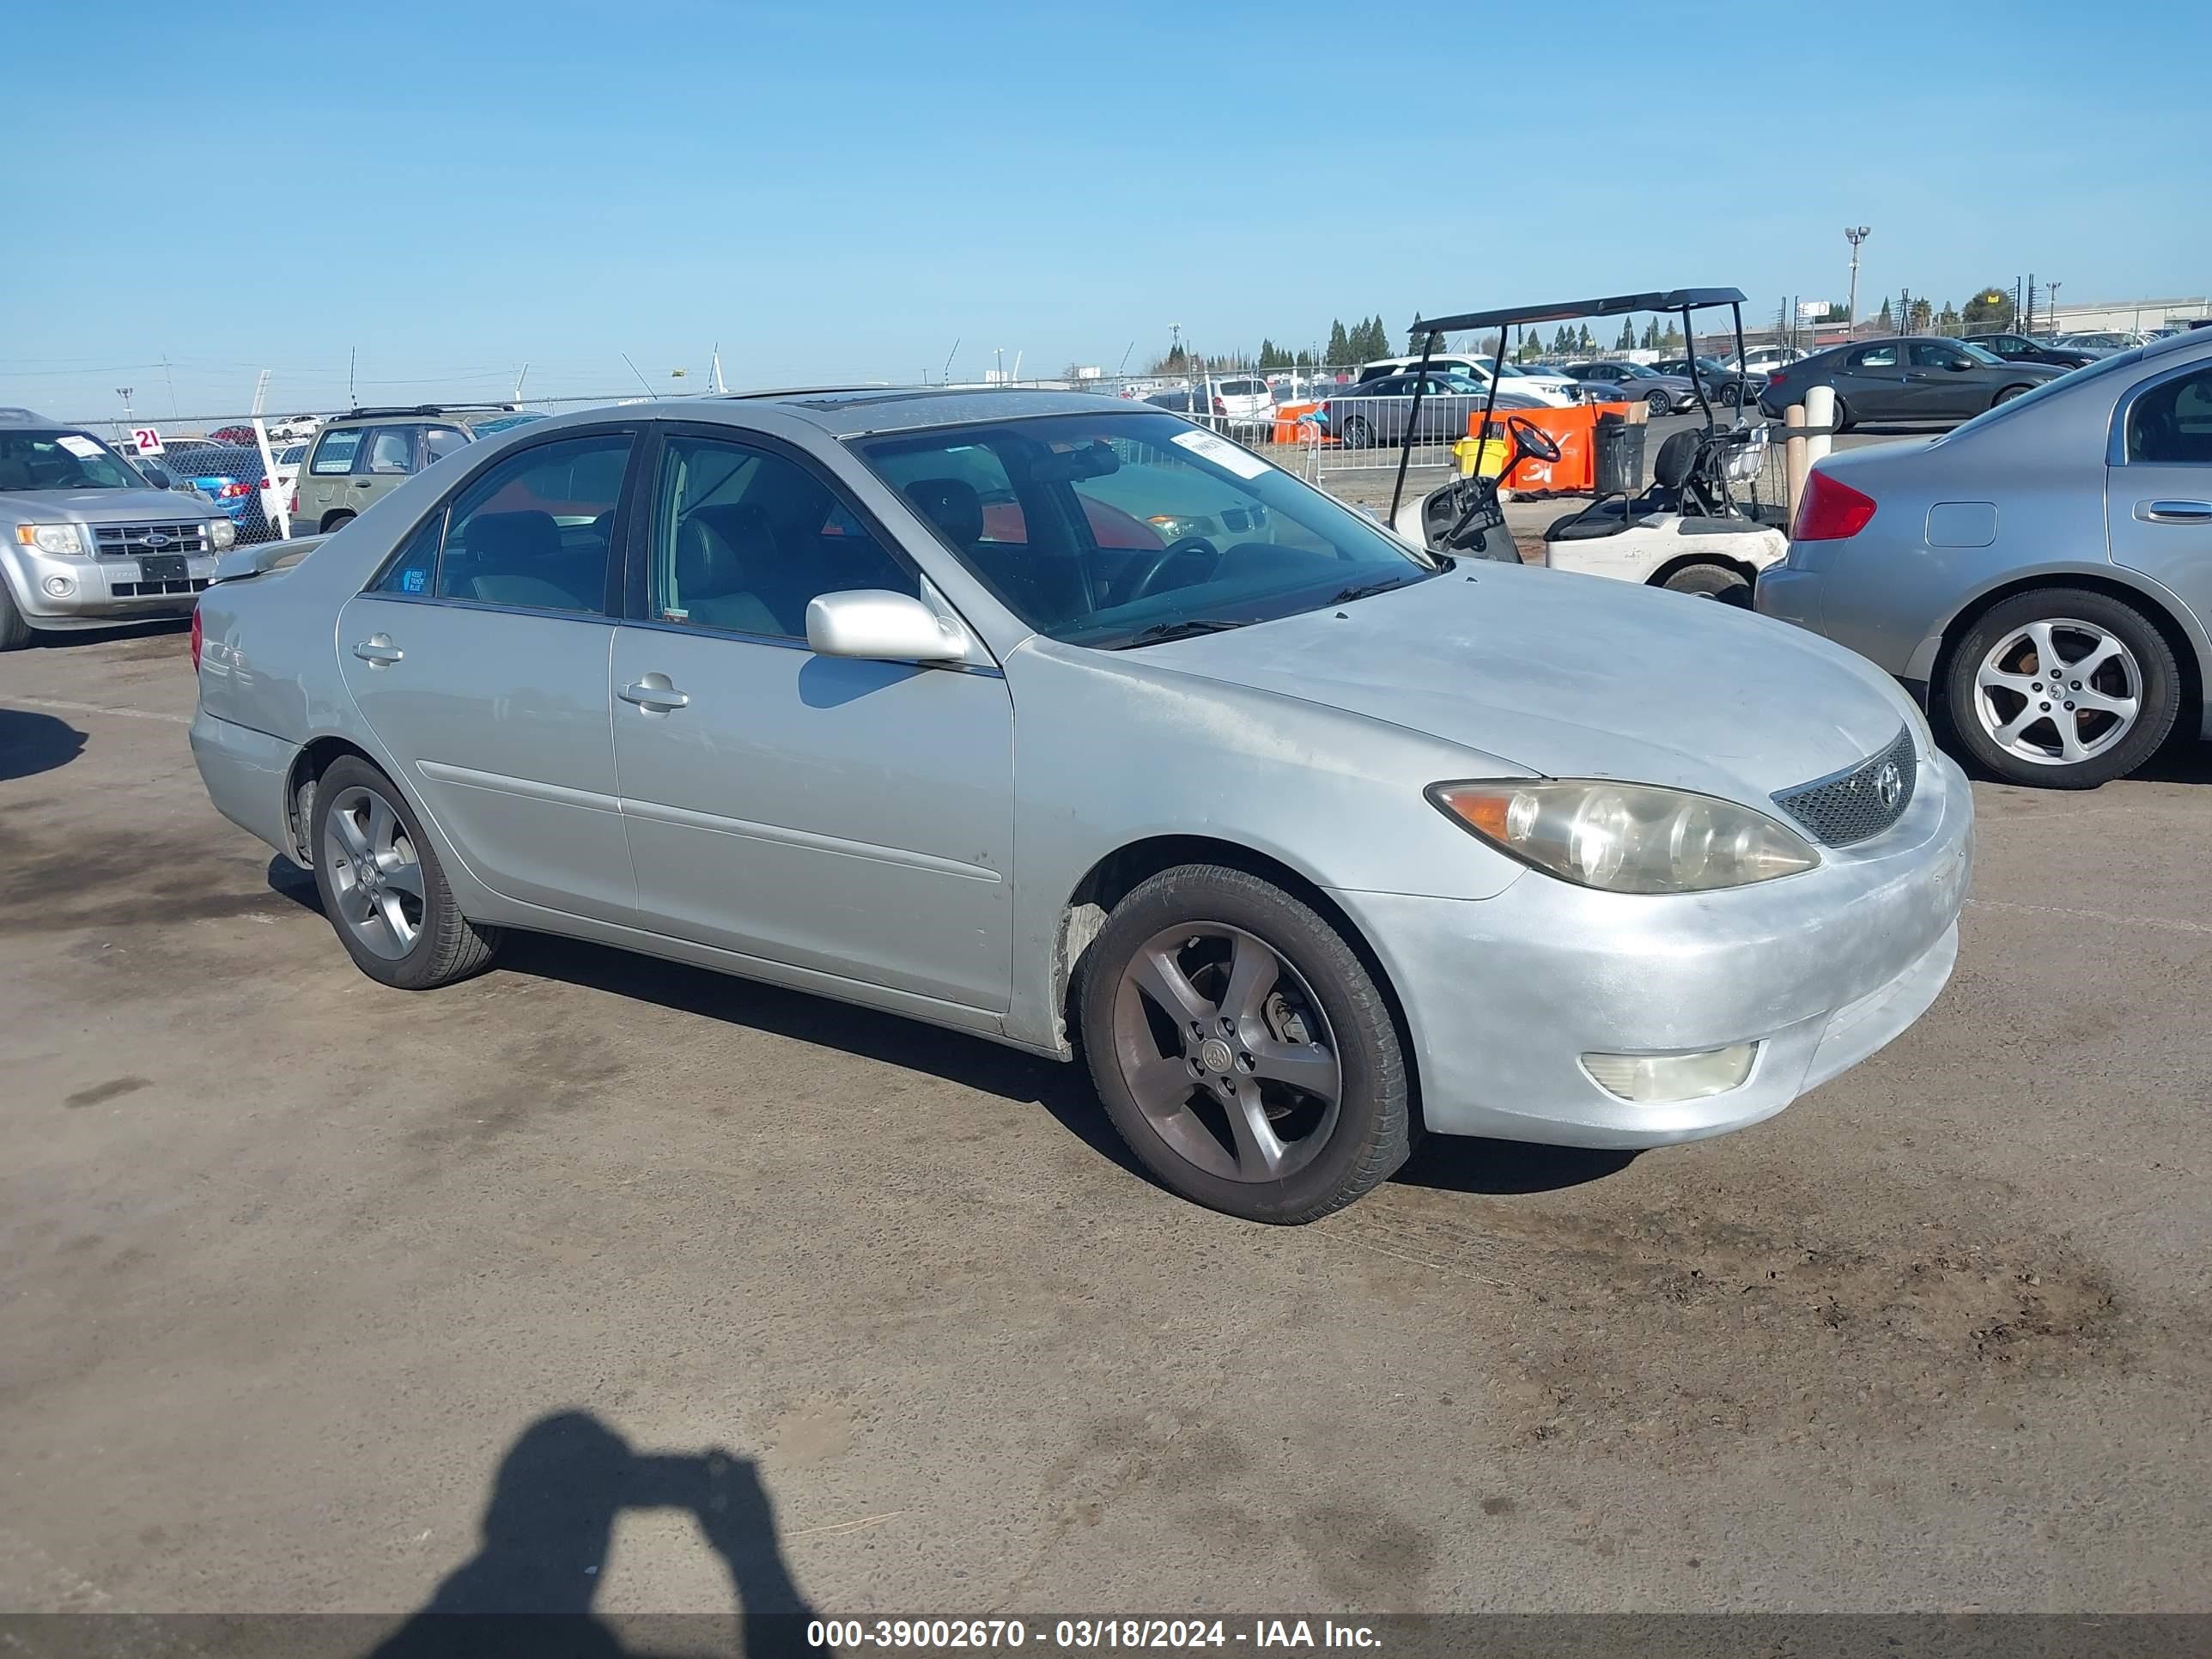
(1650, 1078)
(60, 586)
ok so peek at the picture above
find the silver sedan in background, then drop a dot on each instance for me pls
(1061, 722)
(2041, 577)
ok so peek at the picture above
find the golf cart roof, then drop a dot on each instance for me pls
(1674, 299)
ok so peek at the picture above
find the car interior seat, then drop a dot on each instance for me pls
(727, 556)
(1044, 586)
(517, 558)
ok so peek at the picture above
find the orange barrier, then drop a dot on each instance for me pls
(1286, 421)
(1576, 429)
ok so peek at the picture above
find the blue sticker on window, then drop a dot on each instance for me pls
(414, 581)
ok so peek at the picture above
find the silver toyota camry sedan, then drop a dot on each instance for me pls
(1062, 721)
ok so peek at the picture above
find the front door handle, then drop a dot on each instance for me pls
(2174, 512)
(377, 651)
(654, 695)
(362, 483)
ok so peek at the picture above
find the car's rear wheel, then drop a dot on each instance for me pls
(2062, 689)
(15, 632)
(1659, 403)
(1843, 420)
(2007, 395)
(1710, 581)
(1357, 435)
(382, 887)
(1241, 1049)
(333, 520)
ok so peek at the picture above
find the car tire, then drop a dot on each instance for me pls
(1842, 419)
(1659, 403)
(1711, 581)
(2007, 395)
(1285, 1107)
(399, 924)
(15, 632)
(1357, 435)
(336, 521)
(1999, 698)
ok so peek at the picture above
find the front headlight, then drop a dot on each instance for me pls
(222, 534)
(66, 539)
(1626, 837)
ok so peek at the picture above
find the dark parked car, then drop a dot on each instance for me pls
(1667, 394)
(1724, 386)
(1904, 378)
(1379, 411)
(2019, 349)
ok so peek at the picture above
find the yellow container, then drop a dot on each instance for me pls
(1485, 455)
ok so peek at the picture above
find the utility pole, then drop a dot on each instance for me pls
(172, 379)
(2028, 327)
(123, 393)
(1854, 235)
(2050, 305)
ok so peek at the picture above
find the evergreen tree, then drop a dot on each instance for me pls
(1584, 340)
(1671, 341)
(1562, 342)
(1650, 342)
(1946, 320)
(1339, 345)
(1627, 340)
(1889, 323)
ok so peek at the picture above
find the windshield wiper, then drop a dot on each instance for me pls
(1368, 589)
(1159, 633)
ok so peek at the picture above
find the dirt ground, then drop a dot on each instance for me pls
(293, 1265)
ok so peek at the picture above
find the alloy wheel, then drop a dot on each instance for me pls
(375, 874)
(1226, 1051)
(2058, 692)
(1357, 433)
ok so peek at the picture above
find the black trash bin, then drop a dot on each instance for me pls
(1617, 455)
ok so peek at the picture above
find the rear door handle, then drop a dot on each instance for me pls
(377, 651)
(2174, 512)
(654, 695)
(362, 483)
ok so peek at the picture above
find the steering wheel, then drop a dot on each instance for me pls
(1533, 438)
(1142, 587)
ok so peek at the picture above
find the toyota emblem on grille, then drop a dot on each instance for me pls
(1889, 786)
(155, 538)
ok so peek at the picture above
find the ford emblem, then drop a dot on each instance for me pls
(155, 538)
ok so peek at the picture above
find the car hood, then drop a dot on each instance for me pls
(1570, 676)
(104, 506)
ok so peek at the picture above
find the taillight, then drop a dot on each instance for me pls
(1829, 511)
(232, 490)
(264, 483)
(195, 639)
(1775, 377)
(1220, 408)
(292, 509)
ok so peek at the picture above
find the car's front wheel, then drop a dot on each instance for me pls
(1241, 1049)
(1357, 435)
(2062, 689)
(1659, 403)
(2007, 395)
(15, 632)
(382, 887)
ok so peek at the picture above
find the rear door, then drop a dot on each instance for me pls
(2158, 490)
(391, 455)
(479, 658)
(1872, 381)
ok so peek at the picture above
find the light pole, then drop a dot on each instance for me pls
(123, 393)
(1854, 235)
(2051, 309)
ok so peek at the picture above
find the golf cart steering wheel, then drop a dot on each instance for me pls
(1142, 587)
(1533, 438)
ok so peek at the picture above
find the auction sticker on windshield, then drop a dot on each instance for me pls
(83, 448)
(1242, 462)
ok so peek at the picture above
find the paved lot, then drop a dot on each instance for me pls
(292, 1262)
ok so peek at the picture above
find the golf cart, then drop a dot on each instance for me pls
(1691, 530)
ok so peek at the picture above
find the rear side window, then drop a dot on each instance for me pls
(2172, 422)
(440, 442)
(392, 450)
(1882, 356)
(335, 454)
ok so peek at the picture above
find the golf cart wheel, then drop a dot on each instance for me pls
(1711, 581)
(1659, 403)
(383, 889)
(1357, 435)
(1241, 1049)
(2062, 689)
(15, 632)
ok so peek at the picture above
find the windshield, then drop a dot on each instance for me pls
(1638, 372)
(1113, 530)
(1982, 355)
(61, 460)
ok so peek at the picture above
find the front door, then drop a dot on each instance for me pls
(480, 661)
(2158, 494)
(1934, 390)
(852, 818)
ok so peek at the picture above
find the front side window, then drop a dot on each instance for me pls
(335, 454)
(2172, 422)
(535, 532)
(1926, 354)
(61, 460)
(1135, 527)
(742, 538)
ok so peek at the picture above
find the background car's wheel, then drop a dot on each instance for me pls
(1843, 422)
(1659, 403)
(382, 888)
(334, 520)
(1357, 435)
(15, 632)
(2007, 395)
(1710, 581)
(1241, 1049)
(2062, 689)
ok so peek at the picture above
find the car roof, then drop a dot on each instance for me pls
(851, 412)
(453, 414)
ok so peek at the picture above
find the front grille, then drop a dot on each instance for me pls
(150, 590)
(131, 541)
(1861, 802)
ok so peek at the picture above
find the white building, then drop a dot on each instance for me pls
(2096, 316)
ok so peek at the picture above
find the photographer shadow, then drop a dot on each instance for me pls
(545, 1536)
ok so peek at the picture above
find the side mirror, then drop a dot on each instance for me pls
(157, 476)
(1960, 365)
(881, 626)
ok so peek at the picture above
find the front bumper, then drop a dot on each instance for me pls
(1504, 995)
(100, 592)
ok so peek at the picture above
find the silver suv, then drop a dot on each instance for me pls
(88, 539)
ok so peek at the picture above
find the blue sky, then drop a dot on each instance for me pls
(843, 191)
